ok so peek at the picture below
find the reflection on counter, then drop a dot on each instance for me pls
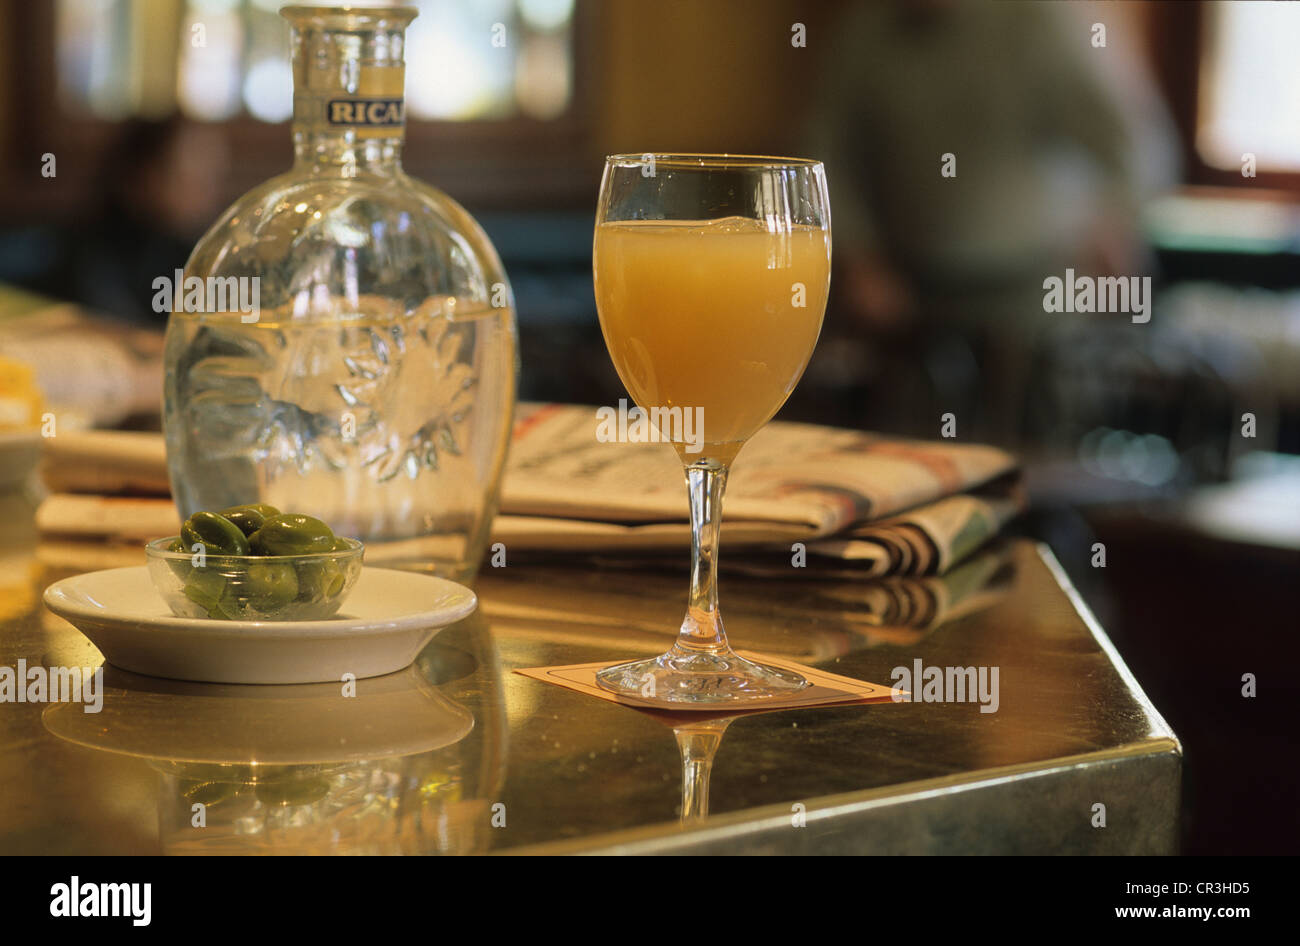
(698, 743)
(305, 769)
(564, 603)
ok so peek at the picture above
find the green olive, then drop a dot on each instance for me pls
(205, 587)
(259, 586)
(293, 791)
(250, 516)
(327, 576)
(290, 534)
(271, 585)
(319, 581)
(217, 534)
(180, 567)
(207, 793)
(232, 605)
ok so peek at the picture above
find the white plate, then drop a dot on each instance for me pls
(386, 621)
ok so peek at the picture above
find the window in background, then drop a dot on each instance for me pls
(208, 76)
(489, 59)
(219, 59)
(92, 63)
(1249, 96)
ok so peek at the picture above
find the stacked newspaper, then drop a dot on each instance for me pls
(869, 504)
(855, 504)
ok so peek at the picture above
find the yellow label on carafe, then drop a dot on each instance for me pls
(376, 110)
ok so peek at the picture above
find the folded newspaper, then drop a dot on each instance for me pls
(859, 504)
(878, 505)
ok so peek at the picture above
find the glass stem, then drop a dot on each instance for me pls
(697, 747)
(702, 630)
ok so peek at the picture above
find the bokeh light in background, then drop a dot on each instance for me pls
(452, 69)
(1250, 87)
(208, 76)
(215, 60)
(91, 57)
(268, 78)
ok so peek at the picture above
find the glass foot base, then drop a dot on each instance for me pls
(700, 679)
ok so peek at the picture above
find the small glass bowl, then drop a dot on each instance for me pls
(254, 587)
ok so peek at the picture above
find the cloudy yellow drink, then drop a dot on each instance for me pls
(718, 315)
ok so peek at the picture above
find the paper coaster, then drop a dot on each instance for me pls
(825, 689)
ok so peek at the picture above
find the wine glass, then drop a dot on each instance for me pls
(711, 276)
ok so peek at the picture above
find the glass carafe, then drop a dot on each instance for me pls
(343, 342)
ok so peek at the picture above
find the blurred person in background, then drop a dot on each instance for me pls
(1052, 145)
(161, 189)
(155, 193)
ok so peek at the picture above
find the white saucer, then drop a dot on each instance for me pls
(386, 621)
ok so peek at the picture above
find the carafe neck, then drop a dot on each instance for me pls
(349, 110)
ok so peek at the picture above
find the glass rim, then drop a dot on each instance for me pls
(400, 14)
(158, 548)
(706, 160)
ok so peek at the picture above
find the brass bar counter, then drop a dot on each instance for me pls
(458, 754)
